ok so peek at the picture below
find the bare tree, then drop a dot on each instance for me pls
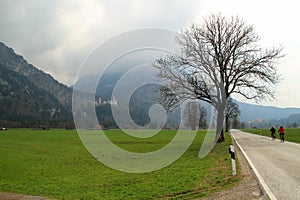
(191, 111)
(195, 115)
(218, 57)
(203, 118)
(232, 112)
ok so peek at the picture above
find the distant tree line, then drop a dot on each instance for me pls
(27, 123)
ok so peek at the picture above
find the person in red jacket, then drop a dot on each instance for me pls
(281, 133)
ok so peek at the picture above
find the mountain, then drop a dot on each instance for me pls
(140, 102)
(294, 118)
(10, 60)
(252, 112)
(266, 116)
(29, 96)
(146, 96)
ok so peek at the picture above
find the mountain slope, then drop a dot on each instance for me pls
(10, 60)
(143, 98)
(28, 96)
(252, 112)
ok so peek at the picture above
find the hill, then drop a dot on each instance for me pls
(29, 96)
(267, 116)
(252, 115)
(251, 112)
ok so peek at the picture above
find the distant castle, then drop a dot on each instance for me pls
(112, 102)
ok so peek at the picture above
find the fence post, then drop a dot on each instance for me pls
(231, 151)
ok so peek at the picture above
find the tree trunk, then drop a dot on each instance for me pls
(221, 137)
(226, 124)
(220, 121)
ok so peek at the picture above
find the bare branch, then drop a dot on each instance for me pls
(218, 57)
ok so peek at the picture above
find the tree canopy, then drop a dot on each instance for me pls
(219, 57)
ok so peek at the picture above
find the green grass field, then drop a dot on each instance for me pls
(55, 164)
(291, 134)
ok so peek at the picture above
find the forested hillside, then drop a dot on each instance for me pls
(29, 97)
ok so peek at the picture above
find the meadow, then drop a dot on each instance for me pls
(291, 134)
(55, 164)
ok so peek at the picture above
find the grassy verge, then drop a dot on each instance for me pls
(55, 164)
(291, 134)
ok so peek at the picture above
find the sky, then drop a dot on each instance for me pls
(57, 35)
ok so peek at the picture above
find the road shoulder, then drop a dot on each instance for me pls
(246, 189)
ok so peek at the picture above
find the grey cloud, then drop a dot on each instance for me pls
(30, 25)
(56, 36)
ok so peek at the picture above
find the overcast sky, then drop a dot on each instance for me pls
(56, 36)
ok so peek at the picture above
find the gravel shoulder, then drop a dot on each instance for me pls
(246, 189)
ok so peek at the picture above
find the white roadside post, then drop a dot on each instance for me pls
(231, 151)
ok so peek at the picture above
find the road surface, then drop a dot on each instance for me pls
(276, 164)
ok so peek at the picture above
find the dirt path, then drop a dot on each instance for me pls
(13, 196)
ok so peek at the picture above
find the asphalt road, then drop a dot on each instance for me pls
(276, 164)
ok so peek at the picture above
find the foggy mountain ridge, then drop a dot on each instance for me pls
(252, 112)
(249, 112)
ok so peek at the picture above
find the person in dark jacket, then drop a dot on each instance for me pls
(273, 130)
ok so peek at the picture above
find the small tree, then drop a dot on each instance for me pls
(191, 111)
(218, 57)
(203, 118)
(196, 115)
(232, 113)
